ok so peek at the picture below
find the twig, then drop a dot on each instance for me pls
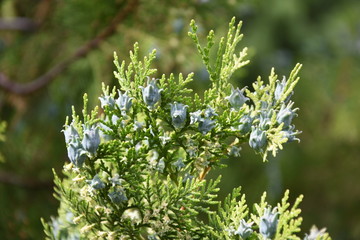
(204, 173)
(42, 81)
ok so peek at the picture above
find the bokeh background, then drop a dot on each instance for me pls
(67, 48)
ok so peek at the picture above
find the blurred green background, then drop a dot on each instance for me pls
(324, 35)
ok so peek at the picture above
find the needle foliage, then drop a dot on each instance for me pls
(138, 163)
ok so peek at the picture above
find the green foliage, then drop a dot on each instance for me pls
(289, 220)
(146, 178)
(227, 61)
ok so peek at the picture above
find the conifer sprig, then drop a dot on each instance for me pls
(138, 168)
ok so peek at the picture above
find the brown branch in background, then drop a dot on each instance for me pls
(13, 179)
(19, 24)
(42, 81)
